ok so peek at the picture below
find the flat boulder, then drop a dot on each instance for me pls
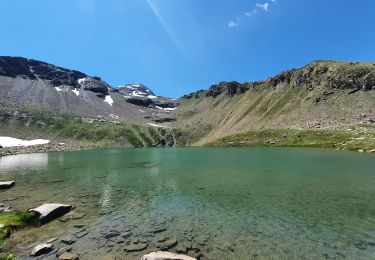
(41, 249)
(50, 211)
(165, 256)
(6, 184)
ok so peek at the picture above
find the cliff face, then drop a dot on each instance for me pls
(350, 76)
(321, 95)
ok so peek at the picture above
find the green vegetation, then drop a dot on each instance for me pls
(13, 221)
(301, 138)
(62, 126)
(7, 256)
(154, 133)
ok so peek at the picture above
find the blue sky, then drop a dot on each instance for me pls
(179, 46)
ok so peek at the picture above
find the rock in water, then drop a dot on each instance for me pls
(50, 211)
(6, 184)
(41, 249)
(165, 256)
(68, 256)
(136, 247)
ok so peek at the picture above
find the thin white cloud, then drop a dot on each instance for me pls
(252, 12)
(232, 24)
(263, 6)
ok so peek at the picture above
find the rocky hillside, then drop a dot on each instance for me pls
(324, 98)
(324, 95)
(27, 82)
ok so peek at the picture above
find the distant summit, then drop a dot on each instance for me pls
(28, 82)
(136, 90)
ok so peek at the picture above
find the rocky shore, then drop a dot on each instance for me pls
(65, 247)
(43, 148)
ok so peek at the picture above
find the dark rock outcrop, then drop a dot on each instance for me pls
(140, 101)
(33, 69)
(193, 94)
(230, 88)
(337, 75)
(97, 86)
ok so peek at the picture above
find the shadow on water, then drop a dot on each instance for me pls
(145, 165)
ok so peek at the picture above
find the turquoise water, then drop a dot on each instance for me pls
(232, 203)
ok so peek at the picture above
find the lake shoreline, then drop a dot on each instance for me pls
(62, 147)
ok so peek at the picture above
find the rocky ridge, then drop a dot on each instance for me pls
(28, 82)
(321, 95)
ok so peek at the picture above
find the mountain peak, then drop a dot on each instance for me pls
(136, 90)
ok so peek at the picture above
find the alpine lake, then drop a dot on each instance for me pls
(216, 203)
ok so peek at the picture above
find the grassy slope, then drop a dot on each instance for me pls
(224, 119)
(301, 138)
(36, 123)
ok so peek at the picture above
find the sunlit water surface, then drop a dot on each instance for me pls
(233, 203)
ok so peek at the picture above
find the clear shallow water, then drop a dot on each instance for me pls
(232, 203)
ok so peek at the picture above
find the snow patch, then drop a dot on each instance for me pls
(151, 124)
(116, 117)
(170, 108)
(137, 94)
(80, 81)
(108, 100)
(166, 109)
(76, 91)
(151, 96)
(58, 89)
(10, 142)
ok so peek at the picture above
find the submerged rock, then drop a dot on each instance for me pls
(6, 184)
(41, 249)
(73, 216)
(63, 250)
(168, 244)
(165, 256)
(68, 256)
(50, 211)
(68, 240)
(158, 230)
(136, 247)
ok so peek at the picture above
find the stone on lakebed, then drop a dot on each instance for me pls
(41, 249)
(50, 211)
(6, 184)
(165, 256)
(68, 256)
